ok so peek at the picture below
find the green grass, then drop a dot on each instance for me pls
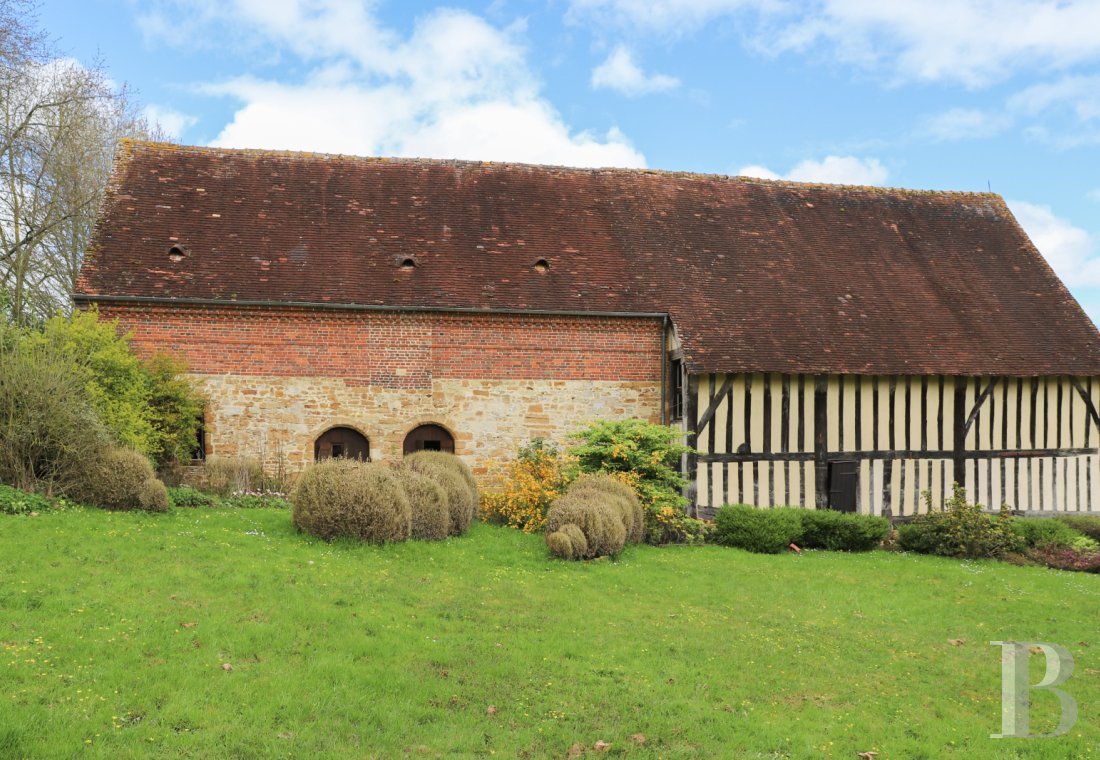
(114, 629)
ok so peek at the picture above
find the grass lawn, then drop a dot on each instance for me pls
(223, 633)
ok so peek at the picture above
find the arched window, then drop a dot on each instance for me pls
(429, 438)
(341, 442)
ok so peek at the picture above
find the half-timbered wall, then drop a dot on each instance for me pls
(774, 439)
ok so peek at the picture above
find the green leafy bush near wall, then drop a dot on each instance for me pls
(13, 501)
(122, 479)
(192, 498)
(1043, 531)
(841, 531)
(1089, 526)
(343, 498)
(764, 531)
(648, 457)
(962, 529)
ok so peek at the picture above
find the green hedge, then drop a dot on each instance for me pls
(1090, 526)
(841, 531)
(16, 502)
(1043, 531)
(770, 531)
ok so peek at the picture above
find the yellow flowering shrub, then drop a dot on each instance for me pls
(519, 492)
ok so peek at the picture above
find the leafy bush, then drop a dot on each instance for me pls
(648, 456)
(16, 502)
(341, 497)
(451, 462)
(1042, 531)
(225, 476)
(841, 531)
(49, 431)
(764, 531)
(618, 495)
(174, 410)
(600, 524)
(187, 497)
(1085, 524)
(431, 519)
(1066, 558)
(460, 499)
(256, 500)
(522, 491)
(118, 480)
(960, 530)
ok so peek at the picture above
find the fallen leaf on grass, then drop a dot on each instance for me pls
(188, 625)
(956, 642)
(227, 667)
(575, 751)
(638, 739)
(286, 735)
(601, 746)
(867, 755)
(491, 710)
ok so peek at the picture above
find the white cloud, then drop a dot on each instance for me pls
(974, 42)
(1071, 251)
(1094, 194)
(172, 122)
(1081, 94)
(963, 124)
(620, 72)
(457, 87)
(841, 170)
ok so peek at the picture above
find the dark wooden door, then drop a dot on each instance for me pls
(843, 485)
(341, 442)
(429, 438)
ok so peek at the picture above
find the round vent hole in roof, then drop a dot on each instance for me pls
(542, 266)
(177, 253)
(408, 265)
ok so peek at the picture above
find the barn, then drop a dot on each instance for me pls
(841, 347)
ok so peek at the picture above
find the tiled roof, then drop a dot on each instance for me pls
(755, 275)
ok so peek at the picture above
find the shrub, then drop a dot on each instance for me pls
(49, 431)
(228, 475)
(523, 489)
(16, 502)
(619, 495)
(567, 542)
(600, 524)
(340, 497)
(1088, 525)
(256, 500)
(764, 531)
(186, 497)
(452, 462)
(1042, 531)
(117, 480)
(153, 496)
(460, 500)
(648, 456)
(960, 530)
(431, 519)
(1066, 558)
(841, 531)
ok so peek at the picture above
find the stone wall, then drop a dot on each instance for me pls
(276, 378)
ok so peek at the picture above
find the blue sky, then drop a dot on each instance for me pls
(954, 95)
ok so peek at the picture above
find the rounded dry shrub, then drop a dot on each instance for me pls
(346, 498)
(431, 520)
(618, 495)
(567, 542)
(153, 496)
(121, 479)
(461, 501)
(600, 523)
(450, 461)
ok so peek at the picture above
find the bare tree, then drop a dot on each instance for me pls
(60, 124)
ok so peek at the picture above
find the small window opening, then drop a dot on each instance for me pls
(341, 442)
(337, 450)
(198, 451)
(177, 253)
(433, 445)
(843, 486)
(676, 389)
(542, 266)
(408, 265)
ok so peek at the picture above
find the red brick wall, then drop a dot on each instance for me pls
(395, 349)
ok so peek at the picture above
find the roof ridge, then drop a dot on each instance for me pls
(128, 145)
